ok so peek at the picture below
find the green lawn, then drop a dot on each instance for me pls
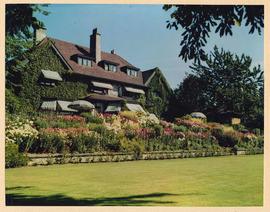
(216, 181)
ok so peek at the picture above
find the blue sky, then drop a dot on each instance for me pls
(138, 33)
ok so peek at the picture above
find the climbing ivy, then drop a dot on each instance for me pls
(44, 57)
(158, 94)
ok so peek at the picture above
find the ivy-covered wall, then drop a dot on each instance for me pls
(158, 94)
(44, 57)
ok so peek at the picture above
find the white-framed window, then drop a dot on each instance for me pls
(109, 67)
(84, 61)
(132, 72)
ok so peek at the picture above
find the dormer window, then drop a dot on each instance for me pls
(109, 67)
(84, 61)
(132, 72)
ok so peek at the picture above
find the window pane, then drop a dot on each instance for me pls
(79, 60)
(89, 63)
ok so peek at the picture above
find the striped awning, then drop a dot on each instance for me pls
(102, 85)
(63, 106)
(134, 90)
(113, 108)
(48, 105)
(81, 105)
(135, 108)
(51, 75)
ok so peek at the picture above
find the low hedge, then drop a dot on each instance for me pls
(13, 158)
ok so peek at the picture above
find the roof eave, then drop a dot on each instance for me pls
(61, 57)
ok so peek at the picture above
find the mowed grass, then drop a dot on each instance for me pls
(215, 181)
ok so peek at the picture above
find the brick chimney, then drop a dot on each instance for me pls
(95, 46)
(39, 35)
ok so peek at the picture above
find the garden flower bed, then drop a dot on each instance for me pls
(126, 133)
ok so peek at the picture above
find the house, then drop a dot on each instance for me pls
(61, 72)
(158, 92)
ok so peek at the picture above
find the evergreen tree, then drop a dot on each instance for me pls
(225, 82)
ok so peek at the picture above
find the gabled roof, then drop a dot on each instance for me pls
(68, 50)
(149, 74)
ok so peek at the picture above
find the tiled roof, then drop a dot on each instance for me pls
(147, 74)
(69, 50)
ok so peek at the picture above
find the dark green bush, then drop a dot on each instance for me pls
(238, 127)
(91, 119)
(158, 129)
(99, 128)
(92, 143)
(180, 128)
(130, 133)
(48, 143)
(257, 131)
(198, 129)
(41, 123)
(110, 142)
(13, 158)
(77, 143)
(228, 139)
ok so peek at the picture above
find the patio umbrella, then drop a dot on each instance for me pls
(198, 115)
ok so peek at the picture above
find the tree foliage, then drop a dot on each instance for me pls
(198, 21)
(225, 83)
(20, 25)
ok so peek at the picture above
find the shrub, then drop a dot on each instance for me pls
(180, 128)
(110, 142)
(109, 118)
(13, 158)
(129, 115)
(99, 128)
(21, 132)
(146, 133)
(77, 143)
(49, 143)
(136, 146)
(158, 129)
(257, 131)
(198, 129)
(226, 139)
(58, 122)
(239, 127)
(130, 133)
(41, 123)
(91, 119)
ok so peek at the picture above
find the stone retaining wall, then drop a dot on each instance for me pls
(47, 159)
